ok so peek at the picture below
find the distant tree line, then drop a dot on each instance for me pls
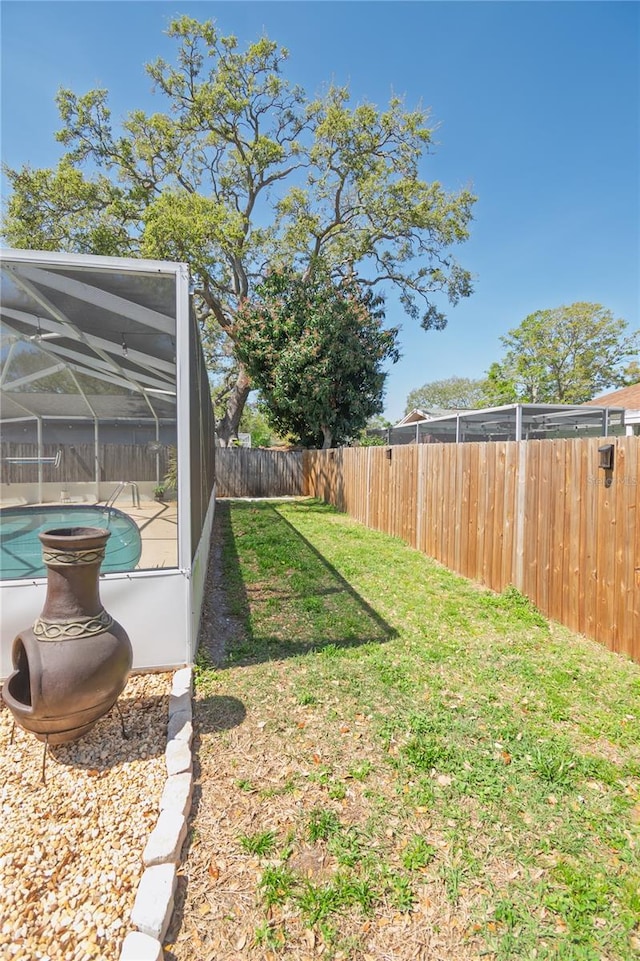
(566, 355)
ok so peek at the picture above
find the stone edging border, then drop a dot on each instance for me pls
(153, 906)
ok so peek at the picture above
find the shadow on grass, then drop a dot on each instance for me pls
(290, 600)
(107, 745)
(219, 712)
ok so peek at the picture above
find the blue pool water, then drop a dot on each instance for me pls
(21, 550)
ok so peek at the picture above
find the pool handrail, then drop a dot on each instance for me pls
(135, 494)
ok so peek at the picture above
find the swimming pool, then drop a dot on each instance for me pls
(21, 550)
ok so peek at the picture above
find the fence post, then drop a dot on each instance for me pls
(420, 497)
(368, 508)
(518, 520)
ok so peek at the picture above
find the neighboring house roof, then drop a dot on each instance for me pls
(413, 416)
(628, 397)
(418, 415)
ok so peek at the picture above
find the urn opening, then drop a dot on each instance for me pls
(73, 531)
(19, 683)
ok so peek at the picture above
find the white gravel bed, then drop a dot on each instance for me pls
(71, 849)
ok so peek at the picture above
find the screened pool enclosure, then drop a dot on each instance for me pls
(106, 420)
(509, 422)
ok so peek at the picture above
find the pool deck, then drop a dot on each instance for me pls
(158, 524)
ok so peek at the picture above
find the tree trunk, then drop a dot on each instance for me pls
(327, 437)
(227, 427)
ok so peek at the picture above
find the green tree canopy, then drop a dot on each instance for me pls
(562, 356)
(315, 350)
(631, 374)
(378, 422)
(255, 422)
(239, 171)
(500, 386)
(454, 393)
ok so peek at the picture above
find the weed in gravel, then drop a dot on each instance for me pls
(270, 936)
(359, 772)
(337, 791)
(245, 785)
(261, 844)
(288, 787)
(399, 891)
(322, 823)
(347, 847)
(554, 764)
(452, 876)
(418, 853)
(277, 884)
(306, 698)
(317, 902)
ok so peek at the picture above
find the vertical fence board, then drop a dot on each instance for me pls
(605, 562)
(472, 456)
(557, 546)
(543, 532)
(481, 518)
(620, 553)
(462, 520)
(632, 637)
(496, 521)
(571, 571)
(590, 535)
(420, 507)
(447, 504)
(530, 520)
(507, 561)
(440, 507)
(463, 485)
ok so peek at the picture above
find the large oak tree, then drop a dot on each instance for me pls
(240, 171)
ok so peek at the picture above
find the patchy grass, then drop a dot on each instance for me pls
(414, 768)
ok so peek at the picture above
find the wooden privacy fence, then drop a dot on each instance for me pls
(540, 515)
(77, 463)
(242, 472)
(537, 514)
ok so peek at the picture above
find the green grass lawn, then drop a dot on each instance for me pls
(423, 768)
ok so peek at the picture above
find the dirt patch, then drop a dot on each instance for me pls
(219, 628)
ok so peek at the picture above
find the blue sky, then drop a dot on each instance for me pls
(538, 106)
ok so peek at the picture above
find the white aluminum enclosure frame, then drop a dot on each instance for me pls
(160, 609)
(510, 422)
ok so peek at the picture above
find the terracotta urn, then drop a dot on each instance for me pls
(71, 666)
